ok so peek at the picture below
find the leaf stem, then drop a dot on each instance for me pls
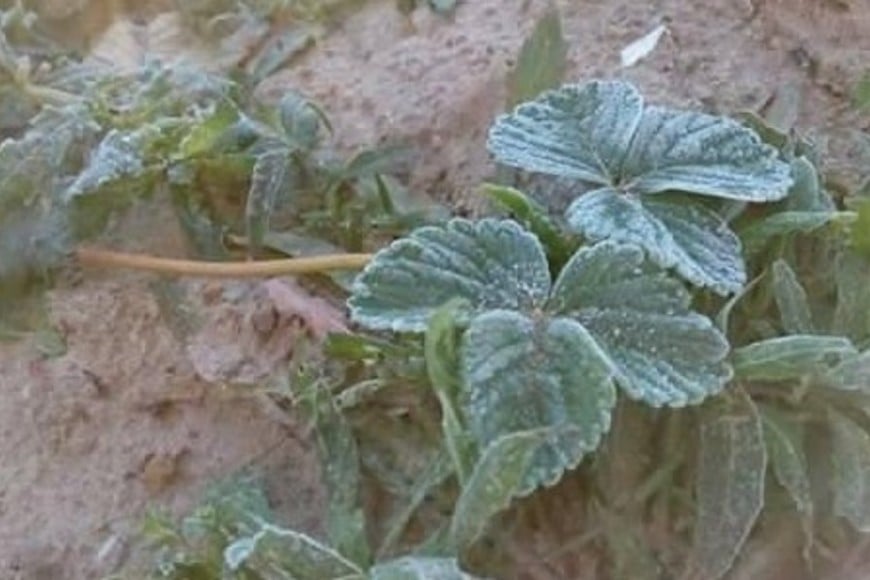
(96, 258)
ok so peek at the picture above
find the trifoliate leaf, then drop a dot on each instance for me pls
(542, 60)
(419, 568)
(527, 373)
(791, 300)
(784, 440)
(664, 354)
(698, 153)
(687, 237)
(578, 131)
(497, 478)
(292, 552)
(851, 471)
(489, 263)
(790, 357)
(730, 485)
(601, 133)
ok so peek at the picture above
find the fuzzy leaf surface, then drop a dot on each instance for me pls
(578, 131)
(497, 478)
(784, 440)
(663, 353)
(851, 471)
(790, 357)
(687, 237)
(290, 552)
(791, 300)
(757, 235)
(272, 179)
(523, 374)
(730, 486)
(489, 263)
(600, 132)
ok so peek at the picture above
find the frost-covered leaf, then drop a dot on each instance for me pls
(851, 471)
(577, 131)
(699, 153)
(601, 133)
(119, 156)
(271, 181)
(789, 357)
(527, 373)
(542, 60)
(664, 354)
(497, 478)
(730, 485)
(489, 263)
(684, 236)
(209, 132)
(807, 192)
(852, 314)
(277, 549)
(756, 236)
(419, 568)
(791, 299)
(784, 440)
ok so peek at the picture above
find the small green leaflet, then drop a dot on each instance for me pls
(784, 440)
(542, 60)
(498, 478)
(791, 299)
(286, 551)
(441, 347)
(852, 314)
(271, 181)
(790, 357)
(756, 236)
(851, 471)
(730, 485)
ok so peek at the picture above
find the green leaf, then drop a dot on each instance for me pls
(119, 156)
(699, 153)
(441, 347)
(852, 374)
(730, 485)
(851, 479)
(852, 313)
(687, 237)
(419, 568)
(489, 263)
(757, 235)
(279, 50)
(807, 192)
(860, 230)
(301, 120)
(600, 132)
(663, 353)
(293, 553)
(209, 132)
(784, 440)
(791, 299)
(271, 181)
(523, 373)
(789, 357)
(578, 131)
(542, 61)
(498, 477)
(339, 459)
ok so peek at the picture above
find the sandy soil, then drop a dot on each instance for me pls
(123, 421)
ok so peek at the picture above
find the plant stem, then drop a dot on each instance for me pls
(95, 258)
